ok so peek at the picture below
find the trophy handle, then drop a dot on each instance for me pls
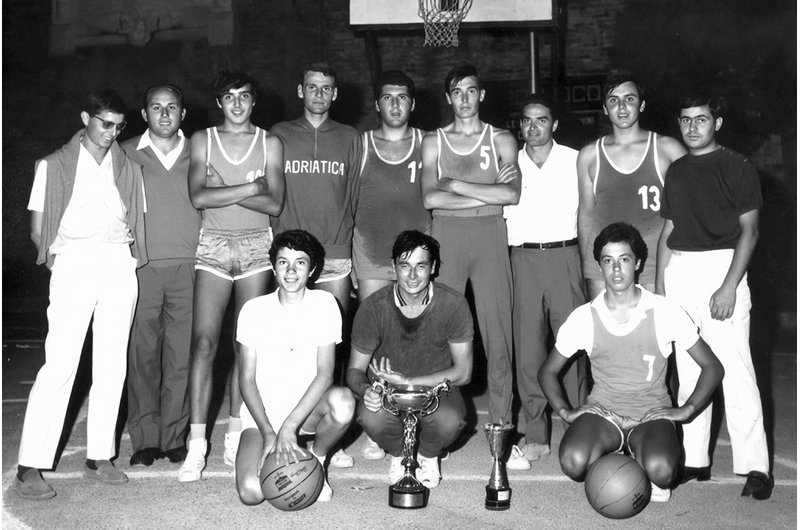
(380, 386)
(443, 386)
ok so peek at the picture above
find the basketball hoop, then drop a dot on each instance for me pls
(442, 18)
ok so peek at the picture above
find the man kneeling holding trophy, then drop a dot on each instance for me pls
(413, 333)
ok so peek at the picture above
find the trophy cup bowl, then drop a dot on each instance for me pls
(411, 400)
(498, 492)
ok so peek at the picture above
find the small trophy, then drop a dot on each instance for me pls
(408, 492)
(498, 493)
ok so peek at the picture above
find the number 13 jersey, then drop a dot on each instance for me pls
(633, 197)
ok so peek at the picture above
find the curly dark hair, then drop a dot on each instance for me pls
(301, 241)
(621, 233)
(230, 79)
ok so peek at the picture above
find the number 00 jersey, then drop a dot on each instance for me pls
(633, 197)
(389, 202)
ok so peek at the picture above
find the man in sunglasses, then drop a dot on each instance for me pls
(87, 222)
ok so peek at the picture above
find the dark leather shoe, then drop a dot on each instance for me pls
(105, 472)
(146, 456)
(700, 474)
(758, 486)
(176, 455)
(32, 486)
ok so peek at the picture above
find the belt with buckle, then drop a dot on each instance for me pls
(554, 244)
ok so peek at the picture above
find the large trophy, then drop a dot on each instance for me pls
(498, 493)
(408, 492)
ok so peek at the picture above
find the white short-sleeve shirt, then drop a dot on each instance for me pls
(285, 339)
(671, 324)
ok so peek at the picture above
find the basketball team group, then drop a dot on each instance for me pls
(629, 251)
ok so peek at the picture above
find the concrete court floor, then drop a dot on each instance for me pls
(542, 497)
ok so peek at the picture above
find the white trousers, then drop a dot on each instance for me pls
(690, 280)
(93, 280)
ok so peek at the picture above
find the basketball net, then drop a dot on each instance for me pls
(442, 18)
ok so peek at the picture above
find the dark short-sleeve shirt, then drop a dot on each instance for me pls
(704, 196)
(413, 346)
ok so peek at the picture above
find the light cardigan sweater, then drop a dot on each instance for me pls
(61, 168)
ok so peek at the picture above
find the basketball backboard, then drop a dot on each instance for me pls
(400, 14)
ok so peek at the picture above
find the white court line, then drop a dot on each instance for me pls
(792, 464)
(381, 477)
(20, 400)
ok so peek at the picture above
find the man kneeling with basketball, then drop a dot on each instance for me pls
(412, 332)
(627, 332)
(286, 375)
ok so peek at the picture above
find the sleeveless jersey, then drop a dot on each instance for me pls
(478, 165)
(389, 201)
(633, 197)
(629, 372)
(250, 167)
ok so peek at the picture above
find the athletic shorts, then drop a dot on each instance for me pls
(234, 254)
(335, 269)
(368, 270)
(625, 436)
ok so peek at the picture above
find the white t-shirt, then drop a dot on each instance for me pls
(548, 204)
(285, 339)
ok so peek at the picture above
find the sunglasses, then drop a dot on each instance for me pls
(108, 125)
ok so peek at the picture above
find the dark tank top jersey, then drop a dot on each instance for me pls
(633, 197)
(478, 165)
(389, 200)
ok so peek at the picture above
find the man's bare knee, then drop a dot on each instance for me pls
(204, 350)
(342, 405)
(574, 464)
(250, 491)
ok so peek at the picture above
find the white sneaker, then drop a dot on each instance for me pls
(231, 447)
(341, 459)
(534, 451)
(428, 471)
(658, 494)
(327, 492)
(517, 460)
(372, 451)
(396, 470)
(192, 468)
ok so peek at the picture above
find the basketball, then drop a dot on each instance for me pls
(617, 487)
(294, 486)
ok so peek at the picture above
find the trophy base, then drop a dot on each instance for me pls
(498, 499)
(408, 497)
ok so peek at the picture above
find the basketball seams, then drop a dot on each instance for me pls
(298, 493)
(610, 491)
